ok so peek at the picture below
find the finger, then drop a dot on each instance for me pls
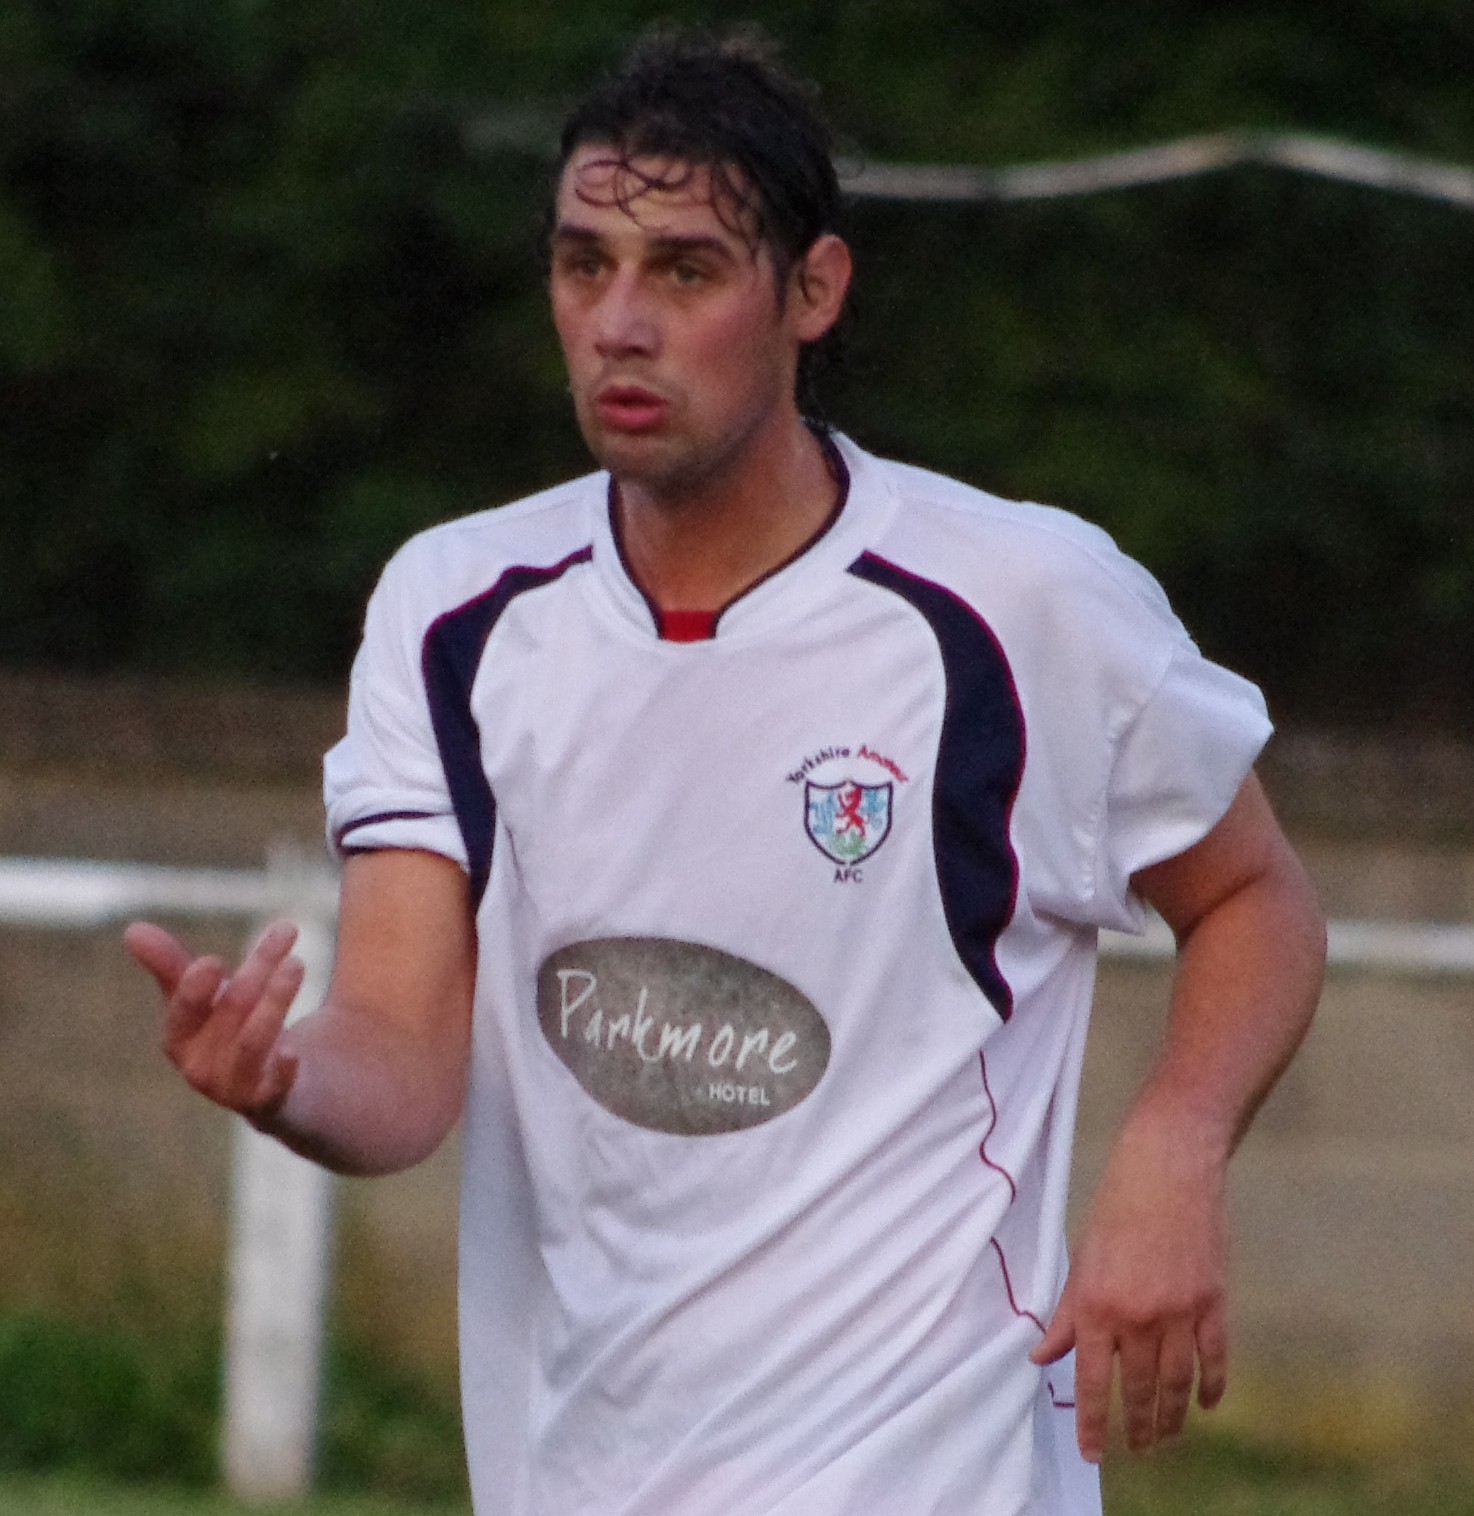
(190, 1005)
(1094, 1364)
(239, 996)
(1059, 1335)
(1174, 1382)
(1140, 1355)
(221, 1032)
(1212, 1340)
(158, 951)
(276, 1084)
(236, 997)
(251, 1052)
(230, 1059)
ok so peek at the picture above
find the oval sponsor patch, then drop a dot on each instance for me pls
(680, 1038)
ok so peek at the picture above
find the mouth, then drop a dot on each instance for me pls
(629, 408)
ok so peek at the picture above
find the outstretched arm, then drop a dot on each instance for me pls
(372, 1080)
(1148, 1282)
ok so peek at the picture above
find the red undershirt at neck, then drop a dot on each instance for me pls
(701, 626)
(686, 626)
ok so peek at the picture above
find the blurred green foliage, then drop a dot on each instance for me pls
(269, 301)
(83, 1396)
(70, 1494)
(386, 1430)
(124, 1403)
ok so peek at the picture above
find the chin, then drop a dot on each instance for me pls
(642, 460)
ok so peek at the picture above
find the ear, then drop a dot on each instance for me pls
(817, 287)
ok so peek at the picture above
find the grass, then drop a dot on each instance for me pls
(127, 1408)
(1217, 1476)
(99, 1421)
(1205, 1477)
(71, 1494)
(75, 1393)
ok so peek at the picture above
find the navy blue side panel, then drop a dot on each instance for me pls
(450, 657)
(980, 763)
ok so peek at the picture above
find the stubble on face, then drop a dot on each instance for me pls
(712, 356)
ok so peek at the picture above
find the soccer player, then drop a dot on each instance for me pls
(729, 832)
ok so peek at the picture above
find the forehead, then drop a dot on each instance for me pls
(602, 187)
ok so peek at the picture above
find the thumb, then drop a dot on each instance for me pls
(1059, 1335)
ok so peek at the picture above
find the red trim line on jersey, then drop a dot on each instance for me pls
(992, 1127)
(1013, 1304)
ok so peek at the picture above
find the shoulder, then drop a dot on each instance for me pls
(1085, 633)
(449, 564)
(1011, 557)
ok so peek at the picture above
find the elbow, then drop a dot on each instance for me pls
(1305, 917)
(1293, 923)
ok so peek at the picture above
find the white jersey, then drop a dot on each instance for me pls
(787, 945)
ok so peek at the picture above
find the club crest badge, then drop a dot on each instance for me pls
(847, 821)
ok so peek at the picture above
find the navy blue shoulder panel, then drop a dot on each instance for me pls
(980, 763)
(449, 658)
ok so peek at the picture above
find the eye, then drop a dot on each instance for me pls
(687, 273)
(580, 263)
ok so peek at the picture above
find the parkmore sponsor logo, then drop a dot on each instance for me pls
(680, 1038)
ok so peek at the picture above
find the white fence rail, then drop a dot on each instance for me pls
(496, 129)
(1185, 158)
(1421, 949)
(281, 1205)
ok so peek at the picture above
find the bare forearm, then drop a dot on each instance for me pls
(381, 1067)
(373, 1080)
(1147, 1287)
(1248, 979)
(368, 1098)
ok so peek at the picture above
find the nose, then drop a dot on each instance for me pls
(624, 322)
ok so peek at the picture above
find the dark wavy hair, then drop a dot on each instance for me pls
(726, 104)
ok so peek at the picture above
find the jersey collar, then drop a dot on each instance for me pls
(863, 505)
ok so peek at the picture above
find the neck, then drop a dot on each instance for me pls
(699, 548)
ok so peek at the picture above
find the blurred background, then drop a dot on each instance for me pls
(270, 301)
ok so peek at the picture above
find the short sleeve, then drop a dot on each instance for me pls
(383, 783)
(1176, 769)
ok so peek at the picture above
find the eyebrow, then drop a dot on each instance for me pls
(663, 246)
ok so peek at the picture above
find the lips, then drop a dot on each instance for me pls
(629, 408)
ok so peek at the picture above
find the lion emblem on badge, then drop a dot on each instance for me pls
(847, 821)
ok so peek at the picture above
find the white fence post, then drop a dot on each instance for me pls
(278, 1272)
(282, 1206)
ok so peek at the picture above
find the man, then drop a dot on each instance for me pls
(733, 828)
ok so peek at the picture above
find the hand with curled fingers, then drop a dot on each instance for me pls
(1147, 1291)
(225, 1032)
